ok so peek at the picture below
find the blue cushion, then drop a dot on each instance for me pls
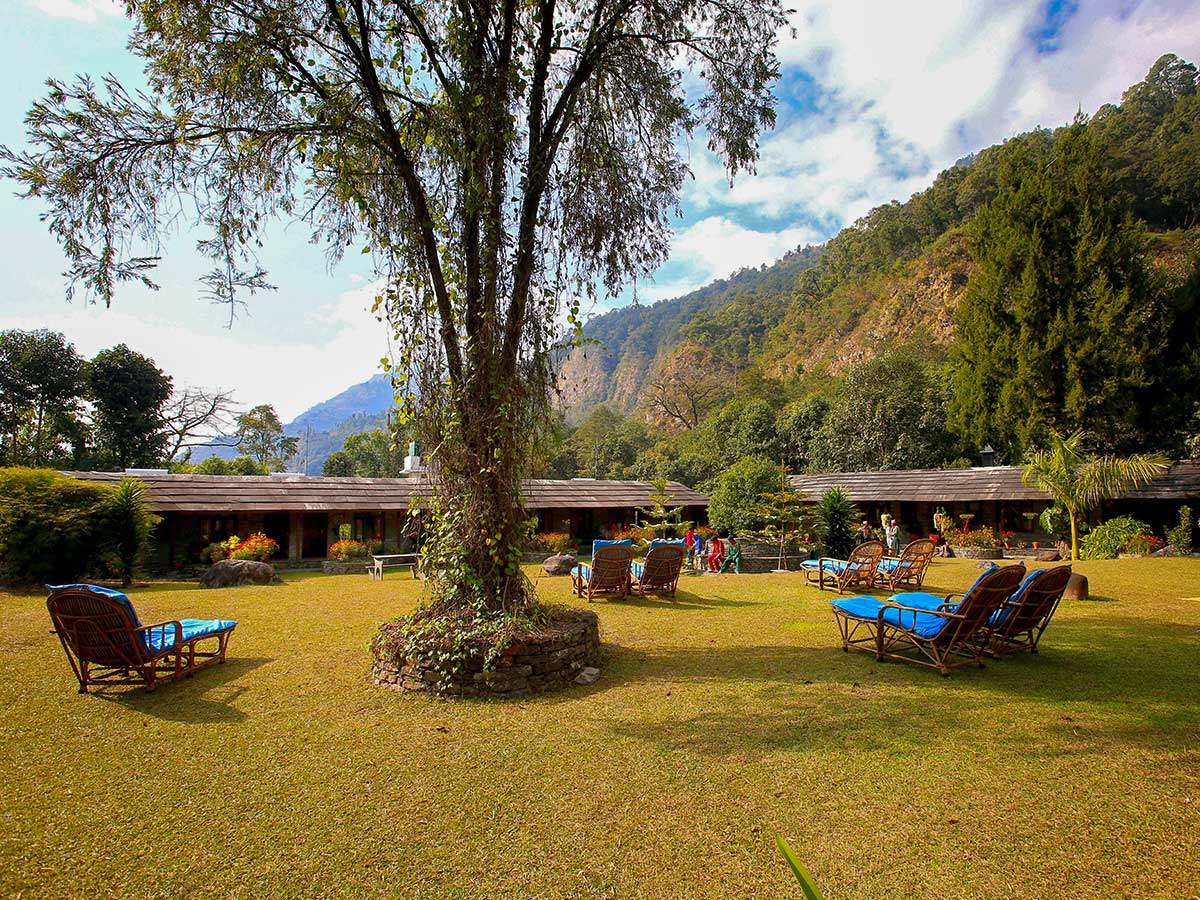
(922, 624)
(888, 564)
(163, 637)
(663, 542)
(103, 592)
(624, 542)
(1000, 615)
(638, 569)
(836, 566)
(579, 568)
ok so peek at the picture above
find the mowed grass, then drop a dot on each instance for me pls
(720, 719)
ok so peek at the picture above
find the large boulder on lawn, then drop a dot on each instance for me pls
(1077, 587)
(238, 572)
(1048, 556)
(560, 564)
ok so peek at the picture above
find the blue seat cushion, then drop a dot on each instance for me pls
(662, 542)
(582, 568)
(162, 638)
(638, 569)
(103, 592)
(1002, 614)
(867, 608)
(888, 564)
(837, 566)
(624, 542)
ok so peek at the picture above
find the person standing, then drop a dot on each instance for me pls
(864, 533)
(891, 536)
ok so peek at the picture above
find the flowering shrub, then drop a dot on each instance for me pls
(706, 533)
(1110, 539)
(552, 542)
(1144, 544)
(346, 550)
(980, 537)
(257, 546)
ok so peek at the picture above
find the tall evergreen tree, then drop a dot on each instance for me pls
(1062, 321)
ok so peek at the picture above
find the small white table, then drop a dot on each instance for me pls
(392, 560)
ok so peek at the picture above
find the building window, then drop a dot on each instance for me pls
(368, 527)
(217, 528)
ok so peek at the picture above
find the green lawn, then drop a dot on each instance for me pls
(719, 720)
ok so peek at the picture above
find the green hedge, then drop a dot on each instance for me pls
(52, 528)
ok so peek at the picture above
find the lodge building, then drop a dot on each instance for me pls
(305, 514)
(995, 496)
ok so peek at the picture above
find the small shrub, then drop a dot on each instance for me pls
(552, 542)
(345, 550)
(1144, 544)
(1180, 537)
(257, 546)
(129, 525)
(978, 537)
(634, 533)
(1110, 539)
(214, 552)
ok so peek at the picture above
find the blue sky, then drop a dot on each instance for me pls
(877, 97)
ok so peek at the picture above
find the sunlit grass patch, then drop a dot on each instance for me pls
(719, 720)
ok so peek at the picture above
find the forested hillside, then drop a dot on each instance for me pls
(1076, 250)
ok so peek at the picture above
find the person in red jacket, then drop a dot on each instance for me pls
(718, 552)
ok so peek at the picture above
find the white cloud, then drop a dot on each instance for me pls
(79, 10)
(716, 247)
(260, 364)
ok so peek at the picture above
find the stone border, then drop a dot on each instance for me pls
(538, 663)
(344, 567)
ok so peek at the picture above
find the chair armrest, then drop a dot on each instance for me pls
(175, 625)
(943, 613)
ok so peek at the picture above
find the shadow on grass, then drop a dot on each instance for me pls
(682, 600)
(206, 698)
(1110, 685)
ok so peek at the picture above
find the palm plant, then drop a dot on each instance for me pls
(835, 516)
(1077, 481)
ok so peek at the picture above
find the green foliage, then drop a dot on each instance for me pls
(551, 542)
(786, 519)
(797, 428)
(129, 523)
(1110, 539)
(371, 454)
(128, 393)
(835, 516)
(737, 494)
(40, 393)
(1077, 481)
(890, 413)
(808, 884)
(52, 527)
(1180, 537)
(260, 436)
(215, 465)
(1062, 325)
(659, 517)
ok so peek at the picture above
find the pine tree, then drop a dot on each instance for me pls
(1062, 321)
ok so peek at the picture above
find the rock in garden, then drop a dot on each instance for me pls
(1077, 587)
(587, 675)
(238, 572)
(1048, 556)
(560, 564)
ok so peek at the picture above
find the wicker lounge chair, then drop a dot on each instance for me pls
(659, 572)
(924, 629)
(857, 571)
(107, 644)
(607, 574)
(1019, 623)
(907, 569)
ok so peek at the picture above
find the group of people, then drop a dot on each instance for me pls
(708, 555)
(891, 534)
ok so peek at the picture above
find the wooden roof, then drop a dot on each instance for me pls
(1180, 482)
(301, 493)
